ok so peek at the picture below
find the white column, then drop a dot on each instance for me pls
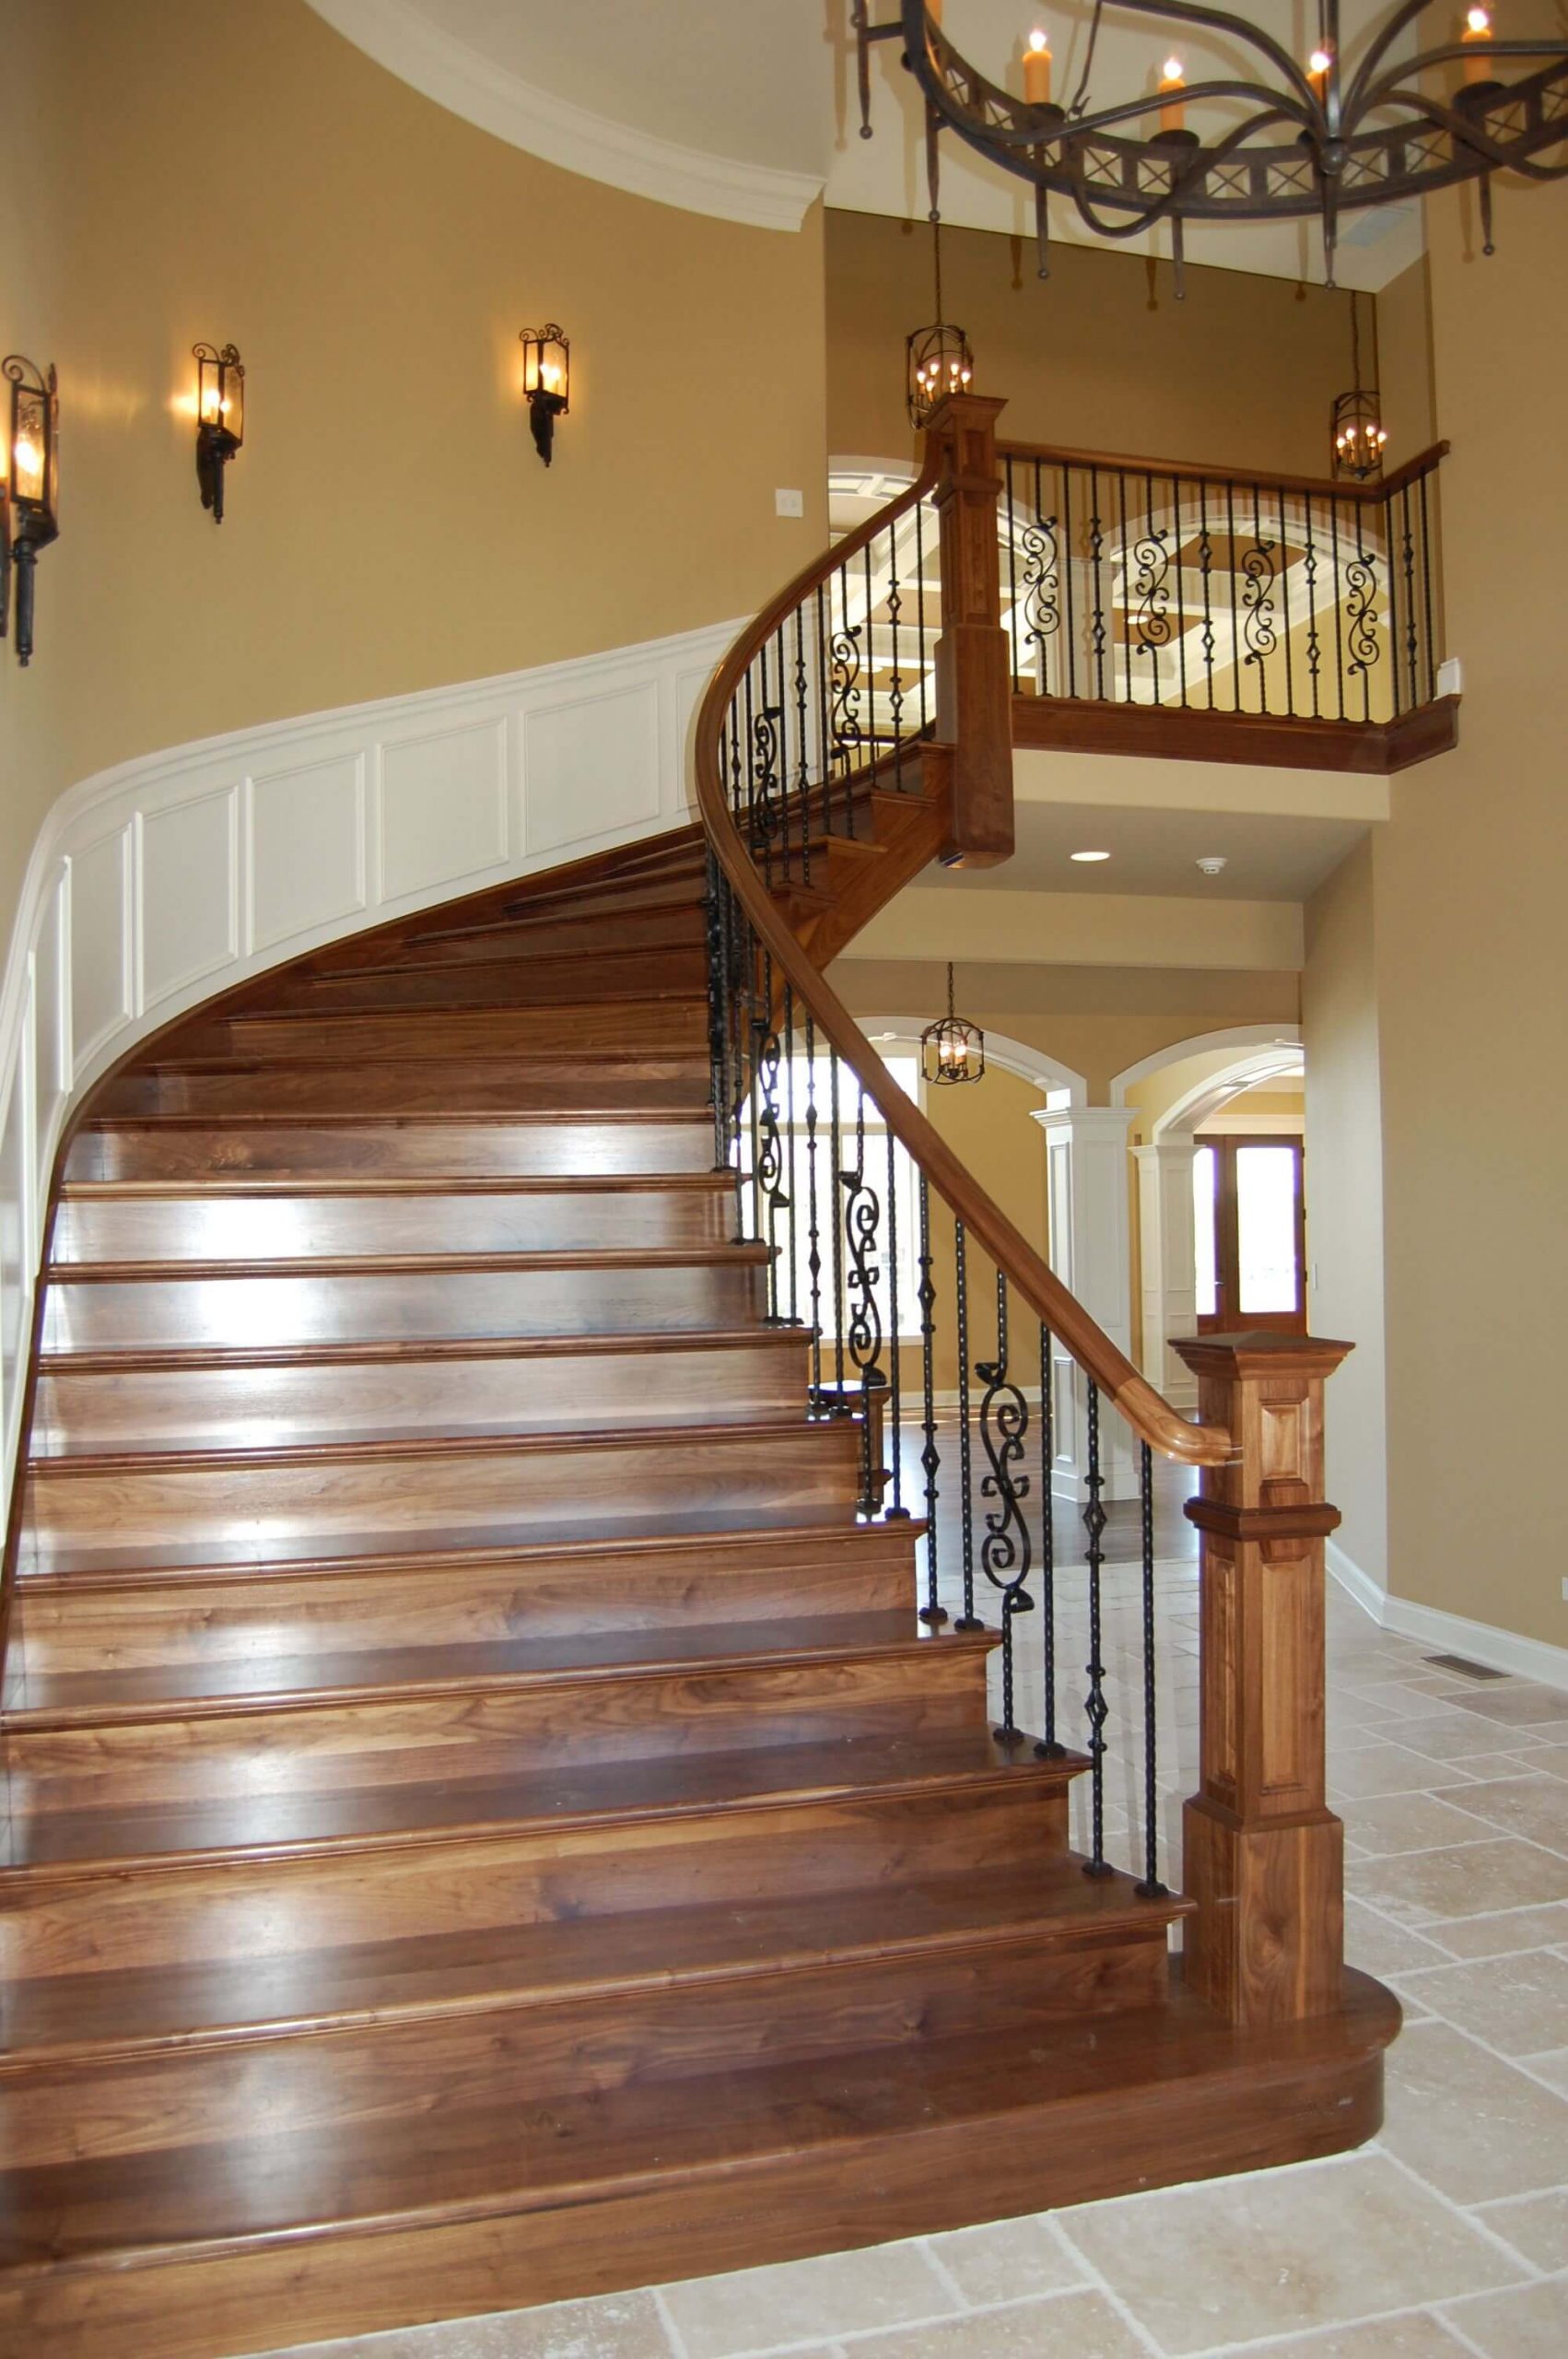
(1168, 1263)
(1086, 1195)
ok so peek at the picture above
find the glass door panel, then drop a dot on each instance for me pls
(1267, 1229)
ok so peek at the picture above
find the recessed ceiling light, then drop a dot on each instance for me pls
(1089, 855)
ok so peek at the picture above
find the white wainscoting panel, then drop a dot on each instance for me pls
(157, 885)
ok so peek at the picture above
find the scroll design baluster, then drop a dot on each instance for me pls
(1041, 590)
(1097, 1710)
(932, 1613)
(864, 1336)
(1006, 1551)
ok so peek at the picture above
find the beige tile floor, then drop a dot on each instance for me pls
(1447, 2235)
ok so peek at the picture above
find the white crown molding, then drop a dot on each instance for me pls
(762, 196)
(1451, 1633)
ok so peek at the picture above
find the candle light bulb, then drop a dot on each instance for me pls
(1173, 114)
(1037, 70)
(1479, 20)
(1477, 38)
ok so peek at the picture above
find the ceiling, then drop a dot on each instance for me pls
(748, 107)
(1269, 857)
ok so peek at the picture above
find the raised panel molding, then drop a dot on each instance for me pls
(153, 885)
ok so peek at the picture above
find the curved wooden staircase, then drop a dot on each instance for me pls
(484, 1821)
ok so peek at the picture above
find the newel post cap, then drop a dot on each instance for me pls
(1259, 1352)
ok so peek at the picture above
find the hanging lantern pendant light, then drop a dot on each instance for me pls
(939, 358)
(951, 1049)
(1357, 426)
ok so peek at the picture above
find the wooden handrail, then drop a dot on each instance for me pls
(1190, 471)
(1150, 1416)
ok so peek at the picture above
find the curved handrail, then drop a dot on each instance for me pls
(1145, 1409)
(1113, 462)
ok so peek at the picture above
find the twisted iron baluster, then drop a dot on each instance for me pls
(1285, 603)
(1341, 622)
(1096, 545)
(861, 1217)
(1095, 1705)
(1014, 648)
(1005, 1552)
(1236, 598)
(1048, 1748)
(1151, 1887)
(1412, 641)
(968, 1619)
(813, 1239)
(895, 682)
(771, 1192)
(1125, 592)
(803, 778)
(930, 1457)
(1180, 537)
(793, 1197)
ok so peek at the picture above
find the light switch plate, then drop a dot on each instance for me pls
(789, 503)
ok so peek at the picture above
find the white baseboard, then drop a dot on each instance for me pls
(1453, 1633)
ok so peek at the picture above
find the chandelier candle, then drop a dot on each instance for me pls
(1173, 114)
(1038, 71)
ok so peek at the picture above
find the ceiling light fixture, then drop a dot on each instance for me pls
(1296, 141)
(1211, 862)
(938, 359)
(953, 1049)
(1088, 855)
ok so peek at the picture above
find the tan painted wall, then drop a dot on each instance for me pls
(1345, 1270)
(1095, 1020)
(1100, 358)
(1471, 966)
(233, 168)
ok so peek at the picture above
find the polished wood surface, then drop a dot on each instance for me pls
(1188, 734)
(484, 1822)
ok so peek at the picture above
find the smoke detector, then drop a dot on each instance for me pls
(1211, 862)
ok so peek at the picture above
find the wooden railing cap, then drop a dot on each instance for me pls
(1261, 1351)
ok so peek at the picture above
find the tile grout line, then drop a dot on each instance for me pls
(673, 2334)
(1450, 2203)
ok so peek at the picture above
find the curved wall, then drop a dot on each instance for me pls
(235, 168)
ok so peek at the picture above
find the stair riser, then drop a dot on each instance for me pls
(260, 1314)
(311, 2086)
(806, 2200)
(425, 1491)
(398, 1740)
(632, 1027)
(208, 1622)
(416, 1085)
(390, 1150)
(256, 1907)
(278, 1228)
(571, 945)
(546, 979)
(256, 1408)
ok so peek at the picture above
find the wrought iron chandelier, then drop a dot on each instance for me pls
(953, 1049)
(938, 359)
(1313, 139)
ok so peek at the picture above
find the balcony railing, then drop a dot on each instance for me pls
(1168, 586)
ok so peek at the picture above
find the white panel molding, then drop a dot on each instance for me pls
(1451, 1633)
(140, 899)
(763, 196)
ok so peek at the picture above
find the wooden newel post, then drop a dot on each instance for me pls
(974, 671)
(1263, 1853)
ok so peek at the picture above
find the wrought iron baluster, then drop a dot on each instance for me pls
(1068, 545)
(1096, 547)
(920, 602)
(872, 730)
(931, 1612)
(968, 1619)
(895, 1374)
(1048, 1748)
(1426, 594)
(1314, 644)
(1005, 1553)
(802, 751)
(864, 1335)
(1095, 1705)
(1206, 564)
(1412, 641)
(782, 753)
(1151, 1887)
(772, 1196)
(1126, 594)
(1361, 641)
(814, 1235)
(714, 935)
(1259, 629)
(895, 692)
(792, 1196)
(835, 1164)
(1341, 619)
(824, 679)
(1285, 604)
(1235, 597)
(1178, 534)
(1012, 620)
(1153, 590)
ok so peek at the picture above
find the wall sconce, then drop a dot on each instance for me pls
(220, 418)
(30, 490)
(546, 382)
(953, 1049)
